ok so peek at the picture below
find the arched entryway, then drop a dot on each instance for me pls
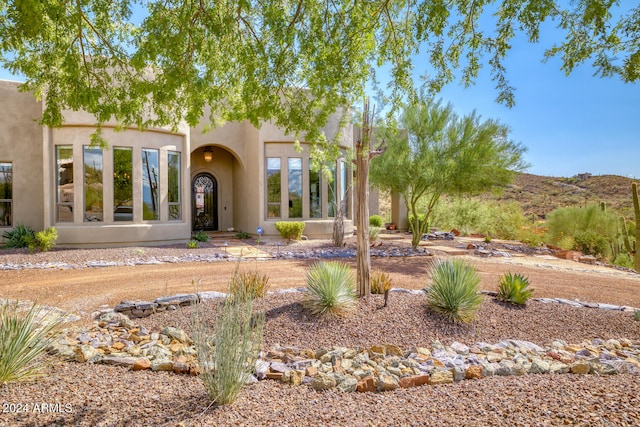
(204, 196)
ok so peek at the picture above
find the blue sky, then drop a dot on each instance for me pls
(569, 124)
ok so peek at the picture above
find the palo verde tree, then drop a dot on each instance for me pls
(150, 62)
(436, 152)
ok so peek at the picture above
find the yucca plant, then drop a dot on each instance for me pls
(24, 335)
(227, 356)
(18, 237)
(248, 285)
(454, 290)
(380, 282)
(330, 289)
(513, 288)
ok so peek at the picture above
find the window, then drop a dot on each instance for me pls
(315, 192)
(273, 187)
(122, 184)
(344, 187)
(174, 196)
(92, 184)
(332, 193)
(64, 183)
(150, 176)
(295, 187)
(6, 193)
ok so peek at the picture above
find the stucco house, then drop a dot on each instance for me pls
(158, 186)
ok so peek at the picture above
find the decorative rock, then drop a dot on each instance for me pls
(387, 383)
(322, 382)
(580, 368)
(367, 384)
(460, 348)
(86, 353)
(125, 361)
(296, 377)
(442, 377)
(141, 364)
(161, 365)
(474, 372)
(177, 334)
(350, 384)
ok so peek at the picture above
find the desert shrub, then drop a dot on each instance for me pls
(242, 235)
(291, 230)
(592, 229)
(330, 289)
(533, 234)
(201, 236)
(24, 335)
(43, 240)
(591, 243)
(376, 221)
(380, 282)
(248, 285)
(513, 288)
(623, 259)
(498, 220)
(454, 290)
(18, 237)
(192, 244)
(227, 355)
(374, 233)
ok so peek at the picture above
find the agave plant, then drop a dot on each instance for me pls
(24, 335)
(454, 290)
(513, 288)
(330, 289)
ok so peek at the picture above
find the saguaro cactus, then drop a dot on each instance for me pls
(636, 211)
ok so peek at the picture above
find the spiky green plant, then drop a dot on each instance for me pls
(18, 237)
(374, 233)
(24, 335)
(513, 288)
(227, 356)
(454, 290)
(248, 285)
(636, 314)
(380, 282)
(330, 289)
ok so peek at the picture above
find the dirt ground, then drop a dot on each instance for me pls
(84, 290)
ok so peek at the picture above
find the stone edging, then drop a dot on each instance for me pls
(117, 340)
(139, 309)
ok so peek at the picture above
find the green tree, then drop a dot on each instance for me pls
(293, 62)
(436, 152)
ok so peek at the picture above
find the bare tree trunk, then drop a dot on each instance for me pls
(362, 210)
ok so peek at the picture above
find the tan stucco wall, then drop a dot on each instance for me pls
(21, 144)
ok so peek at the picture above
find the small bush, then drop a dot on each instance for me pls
(513, 288)
(291, 230)
(43, 240)
(18, 237)
(591, 243)
(248, 285)
(376, 221)
(380, 282)
(374, 233)
(454, 290)
(23, 337)
(623, 260)
(242, 235)
(192, 244)
(201, 236)
(330, 289)
(227, 356)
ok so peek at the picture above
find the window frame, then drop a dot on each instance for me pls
(8, 215)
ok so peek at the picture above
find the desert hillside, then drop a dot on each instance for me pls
(540, 195)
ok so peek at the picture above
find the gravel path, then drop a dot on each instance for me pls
(99, 395)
